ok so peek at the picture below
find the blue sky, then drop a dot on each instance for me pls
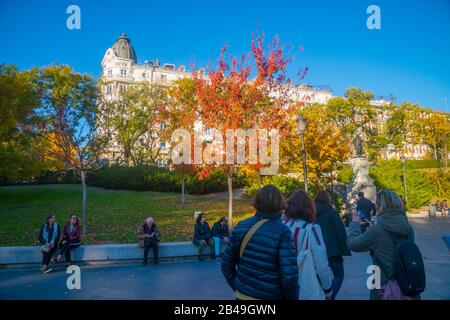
(408, 58)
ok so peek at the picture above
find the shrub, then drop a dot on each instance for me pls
(286, 184)
(388, 175)
(151, 178)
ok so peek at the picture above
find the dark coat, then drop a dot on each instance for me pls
(219, 231)
(367, 207)
(142, 233)
(202, 232)
(377, 240)
(268, 268)
(333, 231)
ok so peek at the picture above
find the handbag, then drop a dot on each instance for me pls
(310, 288)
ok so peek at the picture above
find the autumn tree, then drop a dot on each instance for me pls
(325, 146)
(436, 135)
(182, 112)
(230, 99)
(68, 110)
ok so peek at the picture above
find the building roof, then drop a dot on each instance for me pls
(123, 48)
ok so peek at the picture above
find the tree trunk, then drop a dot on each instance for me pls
(83, 205)
(183, 197)
(230, 200)
(435, 152)
(445, 158)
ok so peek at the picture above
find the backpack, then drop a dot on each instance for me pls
(410, 270)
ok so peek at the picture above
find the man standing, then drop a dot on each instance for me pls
(365, 208)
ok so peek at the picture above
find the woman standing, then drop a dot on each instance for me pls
(379, 239)
(315, 277)
(334, 236)
(49, 238)
(202, 236)
(70, 239)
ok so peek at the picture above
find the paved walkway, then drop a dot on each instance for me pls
(203, 280)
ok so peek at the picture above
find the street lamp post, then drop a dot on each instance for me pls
(301, 126)
(403, 160)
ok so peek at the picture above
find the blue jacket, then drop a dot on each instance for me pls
(268, 268)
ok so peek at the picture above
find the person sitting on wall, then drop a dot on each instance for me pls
(202, 236)
(149, 235)
(49, 237)
(220, 235)
(70, 239)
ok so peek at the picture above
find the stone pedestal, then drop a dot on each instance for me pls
(361, 180)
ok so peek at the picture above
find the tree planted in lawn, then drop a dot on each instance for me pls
(68, 111)
(230, 99)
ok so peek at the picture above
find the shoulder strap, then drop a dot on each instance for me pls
(250, 233)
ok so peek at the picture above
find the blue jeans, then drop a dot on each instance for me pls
(337, 266)
(217, 243)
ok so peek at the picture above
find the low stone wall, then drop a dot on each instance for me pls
(101, 252)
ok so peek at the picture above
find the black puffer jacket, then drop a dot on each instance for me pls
(333, 231)
(268, 268)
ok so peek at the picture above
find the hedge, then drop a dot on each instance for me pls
(151, 178)
(388, 175)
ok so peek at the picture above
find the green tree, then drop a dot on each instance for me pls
(136, 120)
(68, 109)
(20, 153)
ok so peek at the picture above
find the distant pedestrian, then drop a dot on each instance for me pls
(444, 208)
(315, 276)
(334, 236)
(149, 235)
(220, 235)
(365, 208)
(49, 237)
(260, 261)
(438, 206)
(71, 238)
(381, 240)
(203, 236)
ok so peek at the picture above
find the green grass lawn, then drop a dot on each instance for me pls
(113, 216)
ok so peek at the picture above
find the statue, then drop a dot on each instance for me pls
(357, 144)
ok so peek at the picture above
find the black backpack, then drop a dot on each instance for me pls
(410, 270)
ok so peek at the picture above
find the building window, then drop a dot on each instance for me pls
(121, 87)
(123, 72)
(108, 89)
(162, 126)
(163, 77)
(162, 145)
(109, 72)
(144, 75)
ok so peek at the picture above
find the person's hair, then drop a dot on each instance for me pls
(300, 206)
(269, 199)
(388, 199)
(222, 219)
(150, 217)
(324, 197)
(199, 217)
(50, 215)
(361, 194)
(70, 219)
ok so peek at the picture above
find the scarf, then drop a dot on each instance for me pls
(45, 233)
